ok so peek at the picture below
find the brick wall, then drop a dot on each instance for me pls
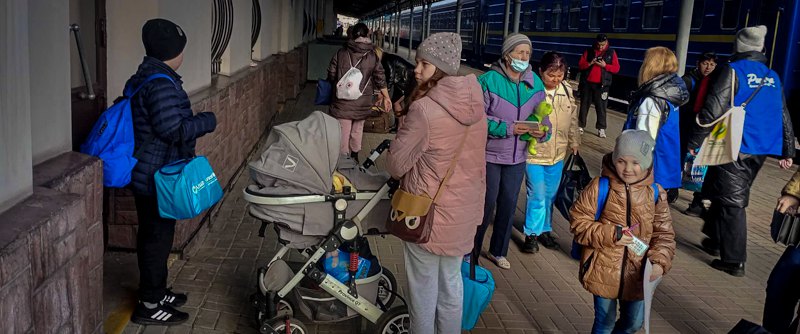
(244, 105)
(51, 251)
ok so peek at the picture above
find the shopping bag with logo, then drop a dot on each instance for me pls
(186, 188)
(722, 145)
(693, 174)
(478, 290)
(348, 86)
(408, 219)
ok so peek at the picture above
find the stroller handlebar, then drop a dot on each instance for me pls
(375, 153)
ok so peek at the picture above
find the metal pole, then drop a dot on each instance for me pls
(383, 22)
(428, 24)
(505, 18)
(424, 20)
(89, 95)
(684, 30)
(399, 25)
(411, 30)
(517, 9)
(458, 17)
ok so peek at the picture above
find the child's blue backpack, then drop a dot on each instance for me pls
(602, 198)
(112, 141)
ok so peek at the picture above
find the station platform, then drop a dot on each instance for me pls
(540, 294)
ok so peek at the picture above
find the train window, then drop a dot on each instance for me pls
(730, 14)
(555, 23)
(527, 17)
(541, 14)
(595, 14)
(698, 13)
(574, 14)
(622, 10)
(652, 15)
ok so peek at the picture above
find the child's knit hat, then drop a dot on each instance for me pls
(443, 50)
(637, 144)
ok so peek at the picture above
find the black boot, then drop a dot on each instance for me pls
(696, 208)
(354, 156)
(530, 245)
(547, 241)
(732, 268)
(672, 195)
(710, 246)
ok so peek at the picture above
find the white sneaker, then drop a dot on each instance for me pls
(601, 133)
(580, 130)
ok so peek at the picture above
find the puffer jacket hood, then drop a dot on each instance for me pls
(457, 95)
(359, 47)
(612, 271)
(669, 87)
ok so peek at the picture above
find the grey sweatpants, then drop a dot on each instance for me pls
(435, 291)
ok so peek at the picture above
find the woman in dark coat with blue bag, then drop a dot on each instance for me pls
(165, 130)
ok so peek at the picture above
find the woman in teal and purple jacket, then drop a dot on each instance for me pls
(511, 91)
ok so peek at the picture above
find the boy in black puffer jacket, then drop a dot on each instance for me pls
(165, 130)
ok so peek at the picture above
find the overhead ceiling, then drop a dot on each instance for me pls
(362, 8)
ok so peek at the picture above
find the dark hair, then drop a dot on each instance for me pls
(552, 60)
(709, 55)
(601, 38)
(359, 30)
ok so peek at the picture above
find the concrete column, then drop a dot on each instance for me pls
(458, 16)
(428, 22)
(505, 17)
(684, 30)
(237, 55)
(411, 30)
(194, 17)
(284, 25)
(49, 47)
(16, 163)
(517, 9)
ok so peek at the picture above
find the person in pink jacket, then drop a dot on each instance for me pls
(445, 110)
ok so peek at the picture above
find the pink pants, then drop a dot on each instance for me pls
(352, 132)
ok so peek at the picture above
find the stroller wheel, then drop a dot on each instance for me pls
(294, 326)
(387, 287)
(396, 321)
(283, 310)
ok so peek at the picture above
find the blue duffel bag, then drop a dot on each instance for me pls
(186, 188)
(478, 291)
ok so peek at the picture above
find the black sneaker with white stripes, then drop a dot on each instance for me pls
(174, 299)
(161, 315)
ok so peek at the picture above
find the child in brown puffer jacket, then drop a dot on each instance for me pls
(609, 269)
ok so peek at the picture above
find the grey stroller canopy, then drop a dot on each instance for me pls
(300, 157)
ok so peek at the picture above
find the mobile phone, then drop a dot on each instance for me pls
(534, 126)
(598, 59)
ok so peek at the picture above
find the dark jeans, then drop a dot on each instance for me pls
(783, 293)
(605, 315)
(153, 243)
(592, 92)
(725, 223)
(503, 184)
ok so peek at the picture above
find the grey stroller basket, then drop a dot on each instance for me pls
(320, 201)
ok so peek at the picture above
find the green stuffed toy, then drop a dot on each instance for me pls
(541, 115)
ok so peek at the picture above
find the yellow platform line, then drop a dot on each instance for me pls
(118, 319)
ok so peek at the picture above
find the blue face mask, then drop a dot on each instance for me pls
(519, 65)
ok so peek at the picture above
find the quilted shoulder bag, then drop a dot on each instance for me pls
(408, 219)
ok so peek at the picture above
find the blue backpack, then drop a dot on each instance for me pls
(112, 141)
(602, 198)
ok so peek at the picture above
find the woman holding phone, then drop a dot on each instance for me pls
(511, 91)
(545, 167)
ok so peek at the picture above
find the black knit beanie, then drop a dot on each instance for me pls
(163, 39)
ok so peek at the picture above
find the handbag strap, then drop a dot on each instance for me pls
(452, 165)
(733, 103)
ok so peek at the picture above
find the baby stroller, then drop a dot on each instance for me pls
(320, 202)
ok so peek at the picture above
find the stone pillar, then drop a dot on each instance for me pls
(16, 176)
